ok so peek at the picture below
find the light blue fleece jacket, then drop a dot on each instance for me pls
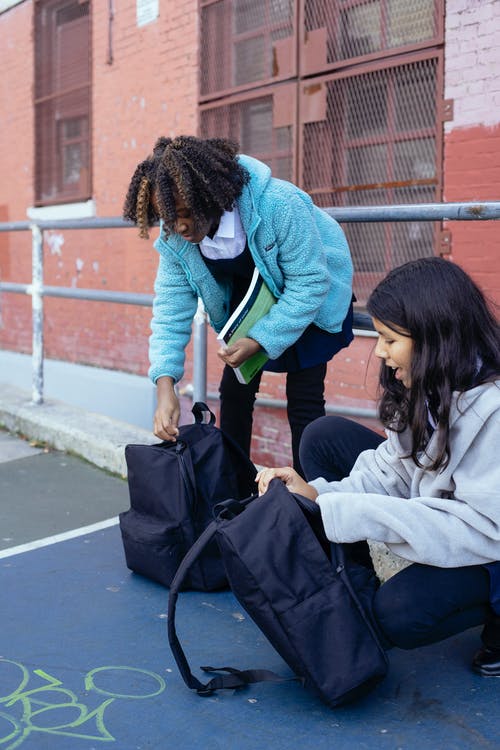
(300, 251)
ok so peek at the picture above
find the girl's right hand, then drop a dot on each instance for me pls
(168, 411)
(290, 477)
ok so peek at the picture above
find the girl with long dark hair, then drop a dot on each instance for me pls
(431, 490)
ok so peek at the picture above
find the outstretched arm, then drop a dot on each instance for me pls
(289, 476)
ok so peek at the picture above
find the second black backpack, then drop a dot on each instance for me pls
(312, 602)
(173, 488)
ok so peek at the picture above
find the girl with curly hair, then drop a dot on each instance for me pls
(222, 215)
(431, 490)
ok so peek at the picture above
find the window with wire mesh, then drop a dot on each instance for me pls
(250, 123)
(377, 146)
(62, 101)
(238, 41)
(357, 28)
(370, 131)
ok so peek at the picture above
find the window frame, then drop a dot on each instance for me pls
(311, 107)
(312, 42)
(286, 52)
(48, 94)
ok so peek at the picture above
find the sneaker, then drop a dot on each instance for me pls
(486, 662)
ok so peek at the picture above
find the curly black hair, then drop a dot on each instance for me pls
(204, 173)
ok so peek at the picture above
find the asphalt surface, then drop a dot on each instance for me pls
(84, 656)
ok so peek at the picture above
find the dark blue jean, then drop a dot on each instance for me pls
(421, 604)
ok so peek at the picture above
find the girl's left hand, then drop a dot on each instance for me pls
(290, 477)
(238, 352)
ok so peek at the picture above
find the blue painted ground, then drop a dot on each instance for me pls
(85, 663)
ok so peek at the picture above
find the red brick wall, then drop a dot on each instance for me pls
(472, 172)
(472, 137)
(16, 158)
(150, 89)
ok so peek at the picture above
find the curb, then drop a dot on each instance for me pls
(98, 439)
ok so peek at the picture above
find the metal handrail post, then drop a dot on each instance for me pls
(36, 291)
(200, 354)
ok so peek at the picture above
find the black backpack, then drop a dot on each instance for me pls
(173, 488)
(309, 599)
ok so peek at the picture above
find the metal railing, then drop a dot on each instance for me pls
(362, 324)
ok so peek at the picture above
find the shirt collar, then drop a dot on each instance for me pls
(225, 230)
(229, 229)
(226, 225)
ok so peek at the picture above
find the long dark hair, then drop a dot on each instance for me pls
(205, 173)
(456, 345)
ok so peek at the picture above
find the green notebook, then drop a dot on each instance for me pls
(256, 303)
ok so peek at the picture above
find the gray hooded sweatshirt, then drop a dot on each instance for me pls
(448, 518)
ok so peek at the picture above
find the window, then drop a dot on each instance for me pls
(347, 29)
(353, 117)
(62, 101)
(373, 145)
(245, 42)
(261, 124)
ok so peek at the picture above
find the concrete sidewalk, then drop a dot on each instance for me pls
(94, 437)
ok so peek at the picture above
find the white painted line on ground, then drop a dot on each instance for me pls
(58, 538)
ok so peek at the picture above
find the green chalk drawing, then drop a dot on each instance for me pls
(40, 705)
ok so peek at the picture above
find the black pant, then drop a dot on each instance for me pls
(421, 604)
(305, 402)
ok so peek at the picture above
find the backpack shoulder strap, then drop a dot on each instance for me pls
(234, 678)
(192, 554)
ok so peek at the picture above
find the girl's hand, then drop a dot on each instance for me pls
(167, 412)
(289, 476)
(238, 352)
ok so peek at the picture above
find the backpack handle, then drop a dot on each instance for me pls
(200, 411)
(231, 508)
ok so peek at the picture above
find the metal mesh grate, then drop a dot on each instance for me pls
(375, 147)
(355, 28)
(250, 122)
(240, 42)
(365, 129)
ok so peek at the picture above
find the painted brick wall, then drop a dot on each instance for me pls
(472, 138)
(145, 85)
(16, 158)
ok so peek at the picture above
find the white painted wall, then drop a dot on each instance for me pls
(472, 62)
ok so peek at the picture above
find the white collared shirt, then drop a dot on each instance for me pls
(229, 240)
